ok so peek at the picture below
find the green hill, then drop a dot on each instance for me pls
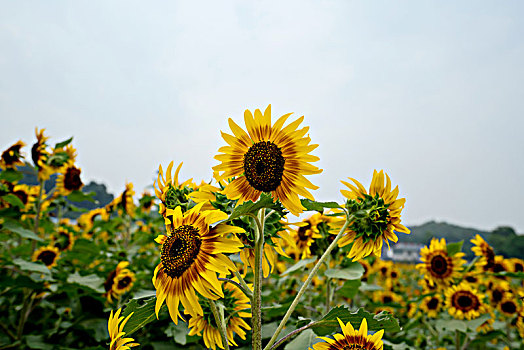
(504, 240)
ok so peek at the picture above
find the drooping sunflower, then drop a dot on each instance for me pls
(191, 254)
(351, 339)
(464, 301)
(437, 266)
(12, 156)
(431, 305)
(115, 326)
(119, 281)
(63, 239)
(68, 181)
(268, 158)
(234, 301)
(60, 159)
(368, 234)
(40, 154)
(483, 250)
(123, 203)
(48, 255)
(86, 221)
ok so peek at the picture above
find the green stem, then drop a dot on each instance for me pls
(256, 308)
(457, 340)
(219, 319)
(37, 216)
(244, 285)
(328, 287)
(308, 281)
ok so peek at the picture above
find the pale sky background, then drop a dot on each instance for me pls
(430, 91)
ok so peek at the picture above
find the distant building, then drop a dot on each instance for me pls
(402, 251)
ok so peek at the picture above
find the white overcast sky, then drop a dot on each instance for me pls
(430, 91)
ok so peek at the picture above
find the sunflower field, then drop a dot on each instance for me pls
(248, 260)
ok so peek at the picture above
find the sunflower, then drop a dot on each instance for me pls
(367, 234)
(367, 269)
(437, 265)
(61, 159)
(464, 301)
(146, 202)
(68, 181)
(191, 254)
(123, 202)
(267, 159)
(86, 221)
(431, 305)
(40, 155)
(497, 290)
(27, 195)
(63, 239)
(386, 299)
(170, 191)
(483, 250)
(520, 323)
(509, 305)
(501, 265)
(305, 234)
(204, 193)
(516, 265)
(12, 156)
(234, 302)
(119, 281)
(351, 339)
(115, 326)
(48, 255)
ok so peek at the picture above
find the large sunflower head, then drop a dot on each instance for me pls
(483, 250)
(377, 216)
(235, 303)
(68, 181)
(439, 267)
(115, 326)
(48, 255)
(464, 301)
(170, 191)
(191, 255)
(268, 158)
(12, 156)
(351, 339)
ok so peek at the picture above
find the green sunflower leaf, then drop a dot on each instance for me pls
(250, 208)
(11, 175)
(303, 341)
(519, 275)
(454, 248)
(318, 206)
(13, 200)
(142, 315)
(31, 266)
(91, 281)
(63, 143)
(299, 265)
(352, 272)
(350, 288)
(329, 324)
(19, 230)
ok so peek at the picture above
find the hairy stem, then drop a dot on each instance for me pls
(256, 306)
(219, 319)
(306, 284)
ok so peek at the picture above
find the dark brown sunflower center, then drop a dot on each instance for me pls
(22, 195)
(108, 284)
(180, 250)
(47, 257)
(72, 180)
(471, 279)
(124, 282)
(519, 267)
(465, 301)
(302, 232)
(440, 266)
(352, 347)
(387, 299)
(498, 267)
(394, 274)
(433, 304)
(264, 166)
(11, 155)
(496, 296)
(508, 307)
(490, 257)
